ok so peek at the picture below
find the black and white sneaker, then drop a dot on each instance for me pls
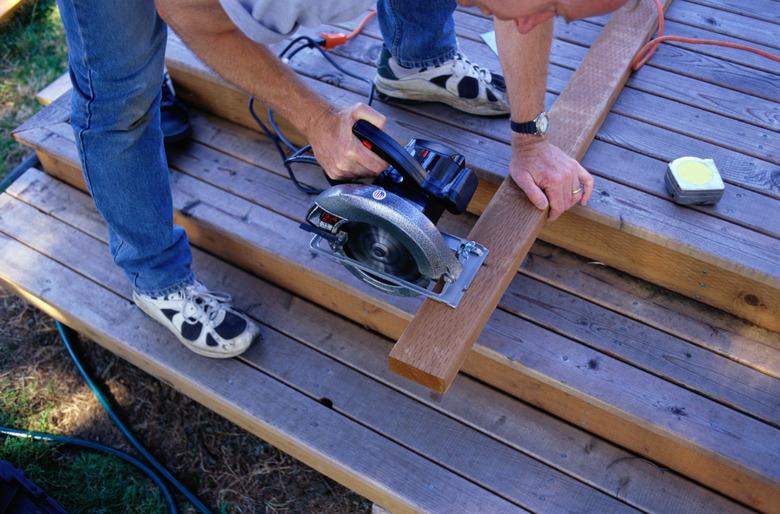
(458, 83)
(202, 320)
(174, 118)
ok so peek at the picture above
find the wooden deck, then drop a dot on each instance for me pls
(584, 371)
(685, 102)
(318, 386)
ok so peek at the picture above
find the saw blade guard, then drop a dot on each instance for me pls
(364, 206)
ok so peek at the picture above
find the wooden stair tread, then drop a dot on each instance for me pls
(502, 359)
(736, 265)
(309, 355)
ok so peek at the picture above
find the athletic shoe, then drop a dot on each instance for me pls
(174, 118)
(458, 83)
(202, 320)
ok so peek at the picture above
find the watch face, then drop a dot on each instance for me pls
(542, 124)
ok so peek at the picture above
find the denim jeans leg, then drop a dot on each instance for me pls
(116, 54)
(418, 33)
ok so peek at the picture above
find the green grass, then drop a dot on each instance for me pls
(32, 54)
(82, 481)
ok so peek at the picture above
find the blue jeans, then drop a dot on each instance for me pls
(116, 57)
(418, 33)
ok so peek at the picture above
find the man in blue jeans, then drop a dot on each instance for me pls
(116, 53)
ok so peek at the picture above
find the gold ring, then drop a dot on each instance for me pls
(577, 191)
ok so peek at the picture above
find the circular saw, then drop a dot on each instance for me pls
(385, 232)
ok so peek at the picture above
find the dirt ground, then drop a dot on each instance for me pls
(230, 469)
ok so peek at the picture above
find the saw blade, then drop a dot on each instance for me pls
(379, 249)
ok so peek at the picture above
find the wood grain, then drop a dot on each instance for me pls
(654, 228)
(628, 421)
(434, 346)
(369, 464)
(656, 353)
(56, 89)
(515, 424)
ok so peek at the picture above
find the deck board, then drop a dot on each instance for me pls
(759, 9)
(751, 141)
(698, 387)
(295, 423)
(495, 415)
(754, 30)
(204, 208)
(289, 362)
(613, 204)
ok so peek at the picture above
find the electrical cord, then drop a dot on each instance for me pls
(280, 141)
(83, 443)
(65, 335)
(647, 51)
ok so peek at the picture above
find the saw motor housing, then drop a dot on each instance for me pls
(385, 232)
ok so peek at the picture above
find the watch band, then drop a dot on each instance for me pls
(528, 127)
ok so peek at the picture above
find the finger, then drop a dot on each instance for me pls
(369, 160)
(587, 182)
(526, 182)
(573, 197)
(559, 199)
(361, 111)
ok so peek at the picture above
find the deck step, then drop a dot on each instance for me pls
(725, 257)
(317, 386)
(689, 387)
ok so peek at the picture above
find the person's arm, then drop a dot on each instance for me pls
(207, 30)
(543, 171)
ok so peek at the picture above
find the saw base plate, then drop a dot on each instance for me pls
(470, 254)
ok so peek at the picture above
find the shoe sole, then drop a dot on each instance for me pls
(398, 90)
(171, 328)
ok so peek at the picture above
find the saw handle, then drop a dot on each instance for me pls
(388, 149)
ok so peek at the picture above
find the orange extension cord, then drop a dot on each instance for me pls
(651, 46)
(334, 40)
(645, 53)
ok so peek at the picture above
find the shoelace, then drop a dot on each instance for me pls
(168, 95)
(212, 304)
(481, 72)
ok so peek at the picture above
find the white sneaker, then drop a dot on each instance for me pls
(458, 83)
(203, 321)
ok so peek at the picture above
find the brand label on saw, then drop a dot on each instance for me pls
(379, 194)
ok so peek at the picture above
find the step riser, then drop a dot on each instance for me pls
(484, 363)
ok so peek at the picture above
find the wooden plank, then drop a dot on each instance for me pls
(700, 372)
(371, 465)
(275, 193)
(434, 346)
(706, 327)
(269, 190)
(725, 292)
(7, 8)
(575, 452)
(56, 89)
(689, 120)
(674, 359)
(468, 453)
(491, 361)
(723, 22)
(759, 9)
